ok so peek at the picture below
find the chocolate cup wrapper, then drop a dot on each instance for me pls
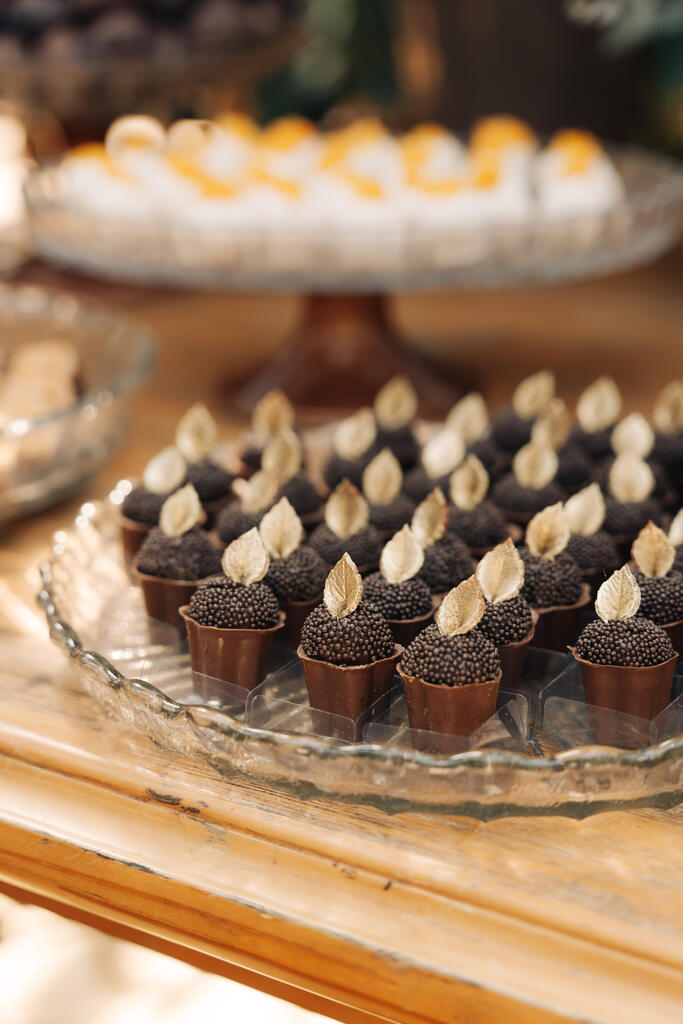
(236, 656)
(405, 630)
(347, 690)
(132, 537)
(452, 710)
(163, 597)
(512, 657)
(558, 627)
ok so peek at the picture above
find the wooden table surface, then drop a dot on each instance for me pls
(345, 910)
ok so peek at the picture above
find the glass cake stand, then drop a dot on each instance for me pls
(345, 347)
(543, 752)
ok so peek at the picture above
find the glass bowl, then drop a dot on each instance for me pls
(139, 671)
(44, 459)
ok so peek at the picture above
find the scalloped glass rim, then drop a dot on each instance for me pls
(636, 231)
(482, 784)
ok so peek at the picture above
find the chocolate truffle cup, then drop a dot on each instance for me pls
(514, 532)
(512, 656)
(214, 508)
(347, 690)
(451, 710)
(296, 614)
(558, 625)
(405, 630)
(638, 692)
(675, 631)
(133, 535)
(237, 656)
(164, 597)
(596, 577)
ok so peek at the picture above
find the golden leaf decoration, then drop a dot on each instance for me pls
(272, 414)
(534, 465)
(534, 394)
(346, 511)
(668, 410)
(548, 532)
(469, 418)
(282, 456)
(258, 492)
(652, 551)
(585, 510)
(551, 429)
(402, 557)
(461, 608)
(469, 483)
(196, 433)
(180, 512)
(630, 479)
(501, 573)
(619, 596)
(281, 530)
(599, 405)
(633, 436)
(355, 435)
(430, 519)
(676, 529)
(343, 588)
(165, 472)
(246, 559)
(442, 453)
(396, 403)
(382, 478)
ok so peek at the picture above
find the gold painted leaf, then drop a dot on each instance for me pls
(442, 453)
(258, 492)
(668, 410)
(196, 433)
(630, 479)
(469, 418)
(402, 557)
(165, 472)
(281, 530)
(619, 596)
(501, 573)
(282, 456)
(585, 510)
(534, 465)
(396, 403)
(355, 435)
(633, 436)
(548, 532)
(272, 414)
(652, 551)
(599, 405)
(382, 478)
(676, 529)
(533, 395)
(551, 429)
(343, 588)
(461, 608)
(430, 519)
(469, 484)
(246, 559)
(346, 511)
(180, 512)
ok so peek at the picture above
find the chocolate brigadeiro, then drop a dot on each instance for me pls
(661, 586)
(141, 507)
(283, 457)
(442, 453)
(474, 520)
(353, 446)
(175, 557)
(469, 418)
(676, 538)
(589, 545)
(509, 620)
(531, 486)
(597, 411)
(447, 559)
(512, 427)
(629, 506)
(667, 415)
(346, 528)
(271, 415)
(382, 483)
(552, 429)
(403, 598)
(395, 409)
(254, 497)
(195, 438)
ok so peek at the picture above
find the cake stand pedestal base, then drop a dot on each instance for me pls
(340, 355)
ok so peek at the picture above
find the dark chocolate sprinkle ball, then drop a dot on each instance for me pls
(451, 660)
(417, 484)
(661, 597)
(668, 451)
(596, 444)
(407, 600)
(510, 431)
(510, 496)
(301, 494)
(251, 456)
(222, 603)
(629, 519)
(299, 577)
(210, 480)
(356, 639)
(506, 622)
(678, 561)
(550, 582)
(337, 469)
(143, 506)
(480, 527)
(364, 547)
(394, 515)
(494, 460)
(598, 551)
(573, 467)
(446, 563)
(633, 642)
(190, 557)
(402, 442)
(233, 522)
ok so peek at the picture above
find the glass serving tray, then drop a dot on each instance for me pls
(533, 757)
(329, 259)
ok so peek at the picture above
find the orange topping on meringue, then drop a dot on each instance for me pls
(432, 187)
(364, 187)
(238, 124)
(291, 189)
(417, 143)
(485, 170)
(207, 185)
(579, 149)
(499, 132)
(287, 132)
(96, 151)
